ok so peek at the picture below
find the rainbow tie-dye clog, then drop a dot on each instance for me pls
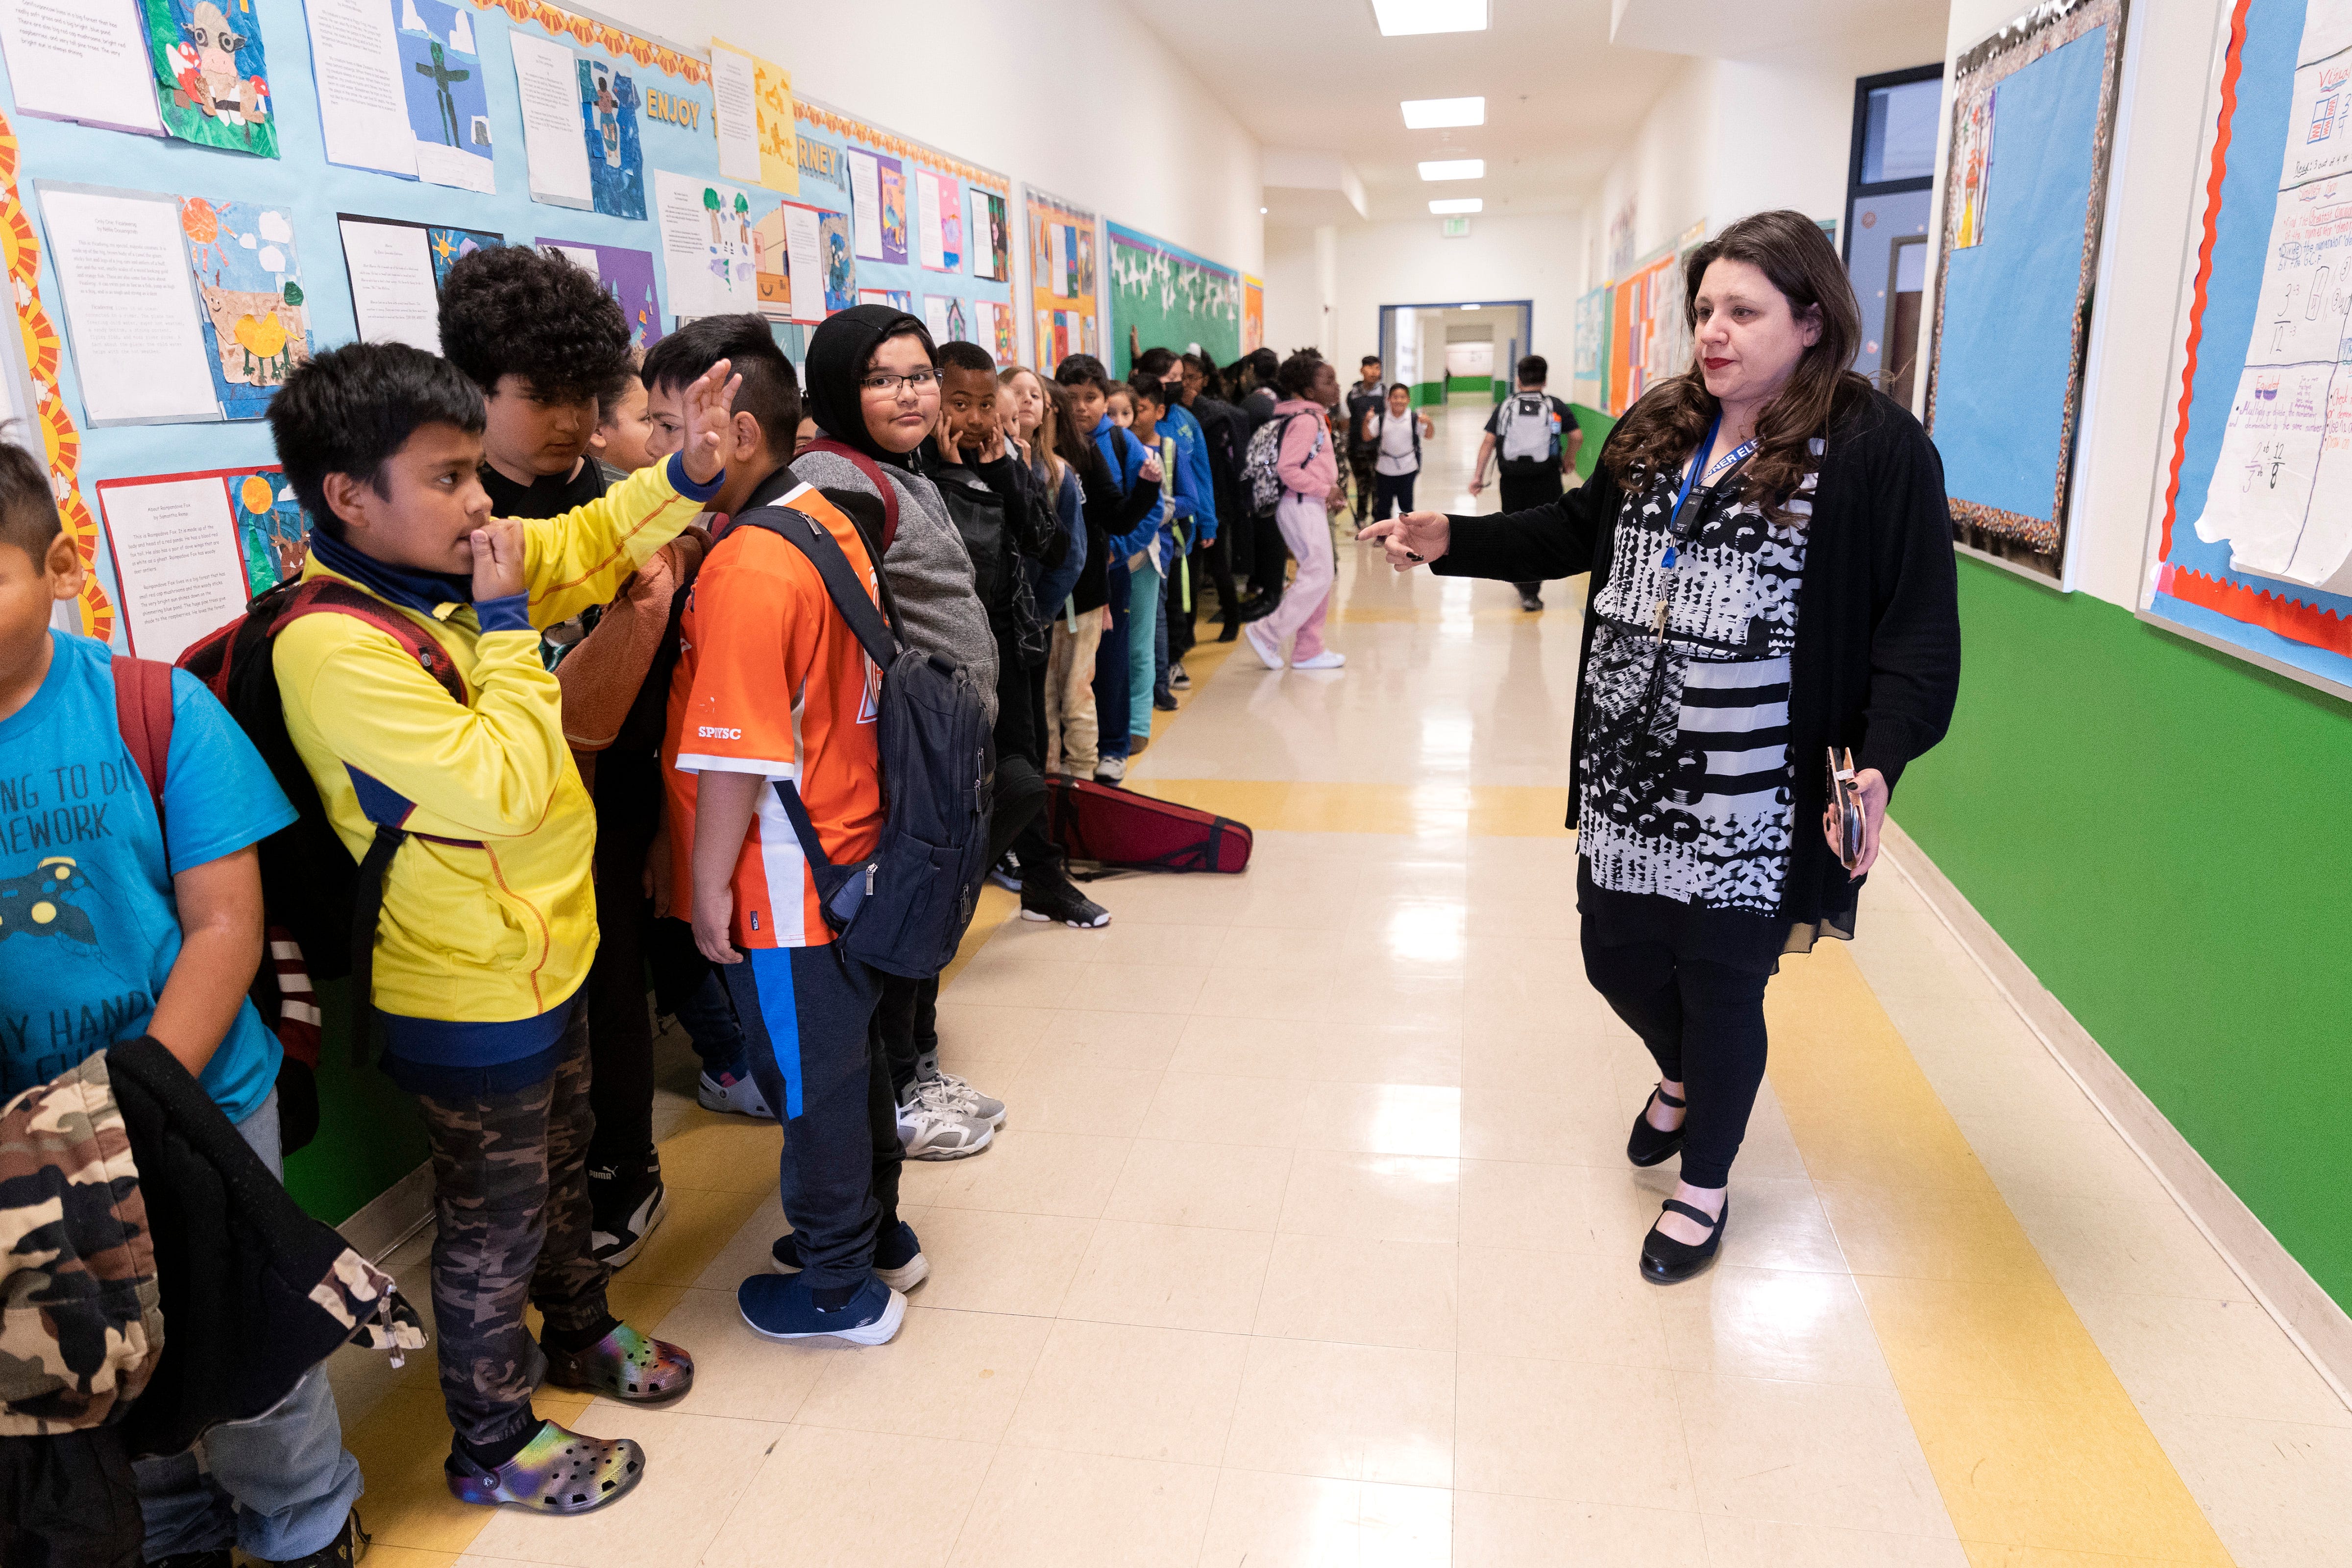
(558, 1471)
(623, 1364)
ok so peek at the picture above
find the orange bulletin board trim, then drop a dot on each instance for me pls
(615, 41)
(855, 130)
(43, 356)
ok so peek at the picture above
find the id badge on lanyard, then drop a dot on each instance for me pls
(1671, 558)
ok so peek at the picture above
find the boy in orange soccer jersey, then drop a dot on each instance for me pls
(771, 687)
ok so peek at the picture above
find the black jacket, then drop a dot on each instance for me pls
(243, 1269)
(1876, 665)
(1110, 512)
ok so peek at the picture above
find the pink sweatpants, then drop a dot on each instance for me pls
(1307, 529)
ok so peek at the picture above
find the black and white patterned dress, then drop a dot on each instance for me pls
(1688, 789)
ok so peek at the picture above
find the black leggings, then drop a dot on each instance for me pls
(1704, 1024)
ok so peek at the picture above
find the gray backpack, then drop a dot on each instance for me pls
(1261, 467)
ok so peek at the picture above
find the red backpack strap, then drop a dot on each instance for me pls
(143, 710)
(873, 472)
(327, 595)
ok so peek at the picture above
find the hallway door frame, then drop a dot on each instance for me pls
(1515, 344)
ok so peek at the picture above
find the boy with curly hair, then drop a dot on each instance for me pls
(550, 350)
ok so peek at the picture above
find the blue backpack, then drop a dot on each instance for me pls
(904, 908)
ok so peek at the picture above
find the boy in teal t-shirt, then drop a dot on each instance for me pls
(115, 925)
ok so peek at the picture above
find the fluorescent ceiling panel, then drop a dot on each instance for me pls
(1401, 18)
(1454, 169)
(1459, 205)
(1436, 113)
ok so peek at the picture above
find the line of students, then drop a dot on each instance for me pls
(566, 763)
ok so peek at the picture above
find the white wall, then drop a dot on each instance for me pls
(2154, 191)
(995, 85)
(1667, 172)
(1538, 257)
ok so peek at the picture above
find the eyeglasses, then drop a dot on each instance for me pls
(889, 385)
(229, 42)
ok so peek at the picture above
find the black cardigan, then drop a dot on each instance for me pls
(1876, 665)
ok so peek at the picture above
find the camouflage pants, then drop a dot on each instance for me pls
(510, 1200)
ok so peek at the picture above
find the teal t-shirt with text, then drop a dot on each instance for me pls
(89, 927)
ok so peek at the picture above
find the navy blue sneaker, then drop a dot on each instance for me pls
(783, 1307)
(899, 1260)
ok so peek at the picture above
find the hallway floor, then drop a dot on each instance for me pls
(1309, 1239)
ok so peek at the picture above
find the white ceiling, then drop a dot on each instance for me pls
(1562, 98)
(1316, 74)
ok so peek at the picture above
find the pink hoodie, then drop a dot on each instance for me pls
(1308, 465)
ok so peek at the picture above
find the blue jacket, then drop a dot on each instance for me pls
(1196, 482)
(1052, 587)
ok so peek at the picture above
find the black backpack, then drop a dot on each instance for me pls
(904, 909)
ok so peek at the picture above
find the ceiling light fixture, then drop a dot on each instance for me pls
(1474, 308)
(1459, 204)
(1454, 169)
(1402, 19)
(1436, 113)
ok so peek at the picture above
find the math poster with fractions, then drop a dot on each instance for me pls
(2253, 547)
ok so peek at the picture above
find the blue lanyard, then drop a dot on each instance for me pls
(1673, 556)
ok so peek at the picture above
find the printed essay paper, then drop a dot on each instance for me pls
(547, 78)
(355, 57)
(80, 59)
(393, 290)
(131, 306)
(735, 99)
(175, 559)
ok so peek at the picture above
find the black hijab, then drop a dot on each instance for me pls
(839, 353)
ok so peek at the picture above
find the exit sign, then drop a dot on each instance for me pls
(1454, 228)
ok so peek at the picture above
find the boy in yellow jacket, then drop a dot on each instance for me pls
(489, 921)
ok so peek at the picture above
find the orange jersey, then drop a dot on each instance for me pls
(772, 681)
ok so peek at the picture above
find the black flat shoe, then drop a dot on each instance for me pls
(1648, 1145)
(1666, 1262)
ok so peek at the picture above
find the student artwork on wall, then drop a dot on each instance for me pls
(257, 319)
(895, 299)
(709, 247)
(2033, 116)
(616, 160)
(1065, 301)
(1648, 338)
(1171, 297)
(992, 246)
(627, 276)
(858, 179)
(273, 532)
(441, 80)
(212, 79)
(1253, 314)
(2252, 551)
(396, 269)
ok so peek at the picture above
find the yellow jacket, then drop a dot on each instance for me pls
(500, 926)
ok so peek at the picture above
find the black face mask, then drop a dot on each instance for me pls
(838, 354)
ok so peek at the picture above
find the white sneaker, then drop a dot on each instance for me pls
(1110, 769)
(943, 1091)
(1269, 651)
(927, 1132)
(1327, 660)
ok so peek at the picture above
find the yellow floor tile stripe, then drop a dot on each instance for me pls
(1479, 810)
(2043, 1460)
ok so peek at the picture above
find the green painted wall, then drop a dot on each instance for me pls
(369, 1132)
(2164, 833)
(1428, 394)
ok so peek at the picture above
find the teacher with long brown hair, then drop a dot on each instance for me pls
(1772, 588)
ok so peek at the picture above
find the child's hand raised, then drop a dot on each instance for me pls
(497, 558)
(709, 409)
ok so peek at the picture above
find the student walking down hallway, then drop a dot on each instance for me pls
(1310, 470)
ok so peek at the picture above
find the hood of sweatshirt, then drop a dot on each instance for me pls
(838, 353)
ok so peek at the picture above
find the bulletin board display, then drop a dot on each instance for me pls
(252, 252)
(2253, 551)
(1646, 324)
(1064, 279)
(1163, 296)
(1591, 367)
(1253, 314)
(903, 225)
(2034, 109)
